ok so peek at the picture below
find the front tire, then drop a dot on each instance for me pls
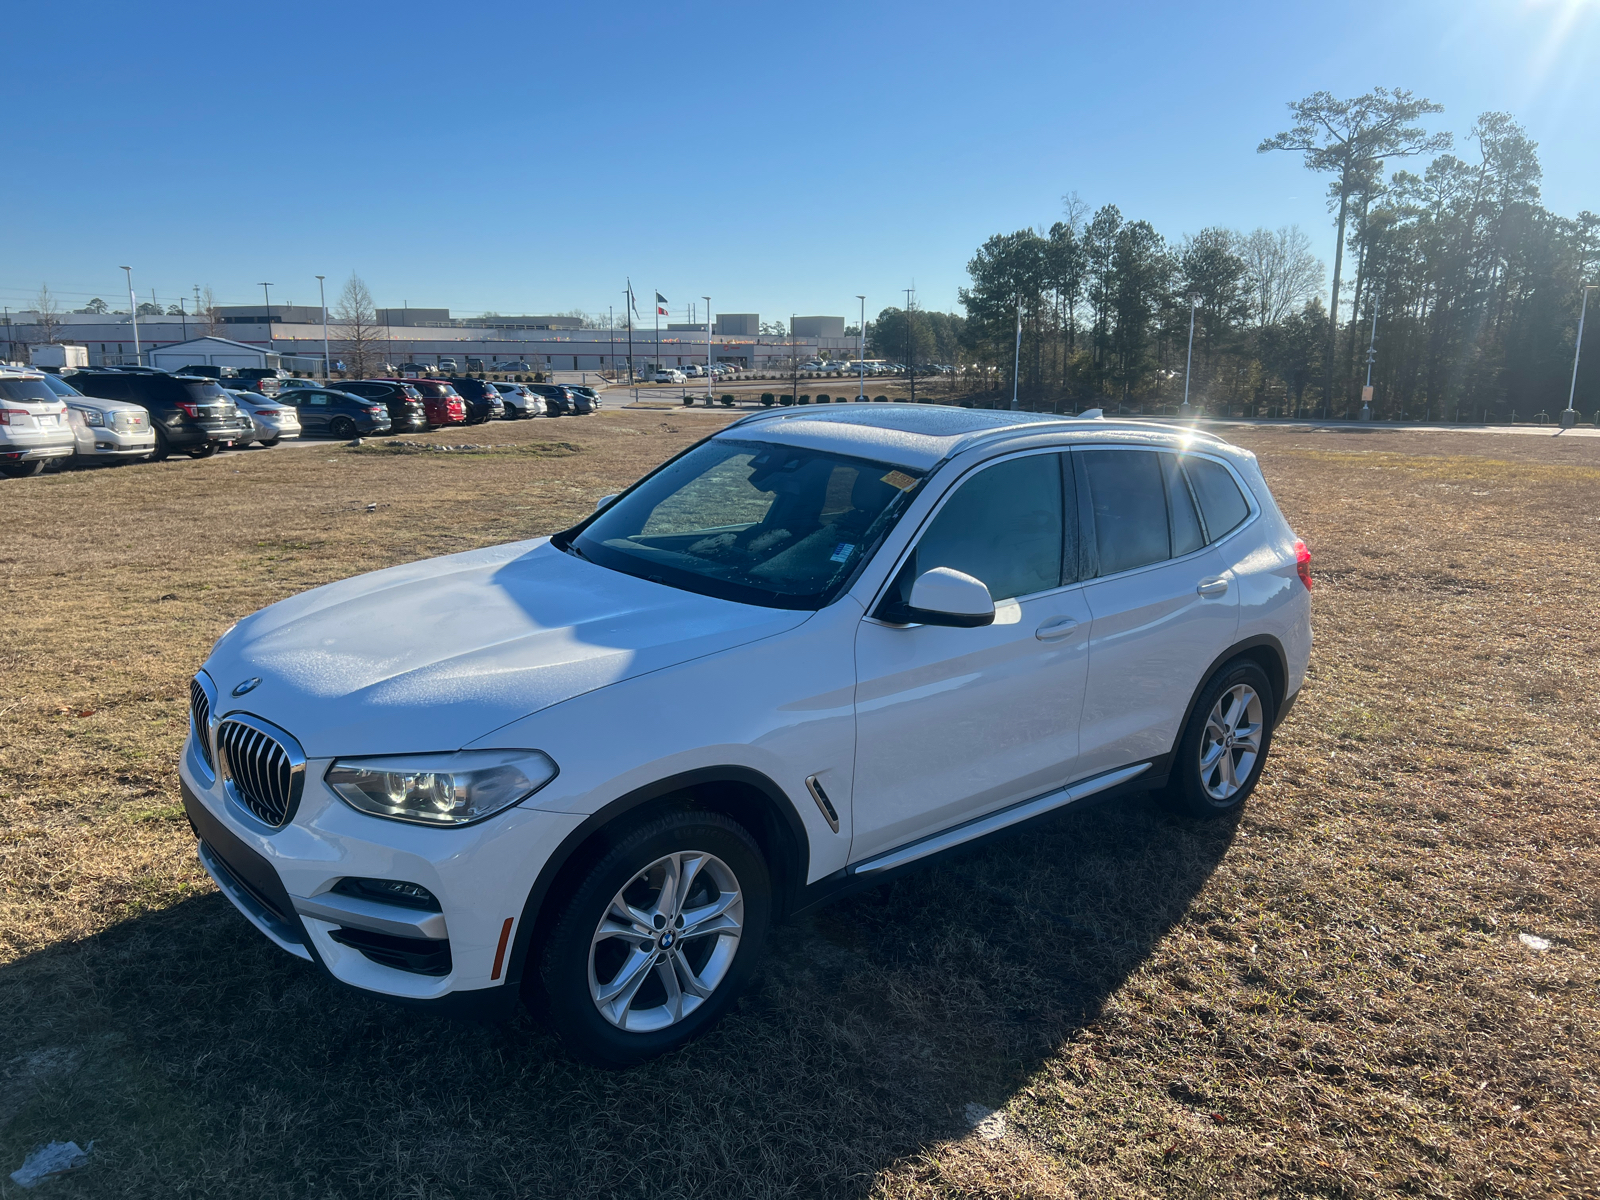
(1225, 743)
(658, 939)
(342, 427)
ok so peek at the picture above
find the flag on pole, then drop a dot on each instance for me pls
(661, 305)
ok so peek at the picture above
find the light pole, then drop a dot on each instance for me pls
(707, 299)
(861, 351)
(1194, 303)
(1372, 357)
(133, 314)
(1569, 418)
(1016, 357)
(911, 366)
(322, 295)
(268, 296)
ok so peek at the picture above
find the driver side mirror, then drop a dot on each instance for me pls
(605, 500)
(945, 596)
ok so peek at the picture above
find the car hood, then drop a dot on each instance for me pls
(436, 654)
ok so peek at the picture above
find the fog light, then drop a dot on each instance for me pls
(390, 891)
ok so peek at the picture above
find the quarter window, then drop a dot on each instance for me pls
(1003, 526)
(1220, 502)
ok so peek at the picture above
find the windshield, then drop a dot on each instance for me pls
(26, 391)
(751, 521)
(60, 386)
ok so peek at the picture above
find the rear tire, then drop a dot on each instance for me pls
(205, 450)
(342, 427)
(269, 443)
(163, 450)
(620, 991)
(1225, 743)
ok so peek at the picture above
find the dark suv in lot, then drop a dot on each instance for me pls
(483, 400)
(326, 413)
(407, 413)
(188, 412)
(559, 401)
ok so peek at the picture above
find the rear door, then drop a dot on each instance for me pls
(1163, 603)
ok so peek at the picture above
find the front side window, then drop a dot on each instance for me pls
(750, 521)
(1003, 526)
(60, 386)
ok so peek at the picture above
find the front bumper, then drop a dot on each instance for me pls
(282, 882)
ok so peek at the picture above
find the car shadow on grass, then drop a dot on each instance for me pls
(204, 1061)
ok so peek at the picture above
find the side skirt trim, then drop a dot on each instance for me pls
(996, 821)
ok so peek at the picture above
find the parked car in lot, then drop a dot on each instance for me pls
(261, 379)
(189, 413)
(274, 418)
(408, 412)
(904, 630)
(304, 383)
(558, 400)
(671, 376)
(442, 403)
(448, 364)
(483, 401)
(588, 392)
(520, 400)
(411, 368)
(34, 428)
(325, 413)
(517, 365)
(105, 430)
(206, 371)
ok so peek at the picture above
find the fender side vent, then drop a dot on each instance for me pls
(821, 797)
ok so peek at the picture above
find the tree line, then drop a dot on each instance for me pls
(1465, 285)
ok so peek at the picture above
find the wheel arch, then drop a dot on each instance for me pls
(1265, 651)
(748, 796)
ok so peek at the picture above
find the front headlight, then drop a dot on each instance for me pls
(91, 417)
(441, 789)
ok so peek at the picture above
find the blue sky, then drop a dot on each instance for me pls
(526, 158)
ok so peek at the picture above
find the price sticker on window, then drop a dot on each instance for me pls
(842, 552)
(899, 479)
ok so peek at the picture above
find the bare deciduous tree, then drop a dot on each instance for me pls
(49, 314)
(207, 315)
(1281, 273)
(359, 337)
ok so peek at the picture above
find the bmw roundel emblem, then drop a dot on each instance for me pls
(249, 685)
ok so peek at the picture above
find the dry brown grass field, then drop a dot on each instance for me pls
(1331, 996)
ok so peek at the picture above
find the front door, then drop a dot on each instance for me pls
(1163, 602)
(953, 723)
(313, 412)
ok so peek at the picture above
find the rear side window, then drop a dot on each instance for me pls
(1003, 526)
(1181, 516)
(1128, 503)
(1221, 504)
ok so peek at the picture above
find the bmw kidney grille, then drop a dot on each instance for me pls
(262, 767)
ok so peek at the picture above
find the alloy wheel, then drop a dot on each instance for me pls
(667, 939)
(1230, 744)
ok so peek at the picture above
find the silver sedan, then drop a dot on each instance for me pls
(273, 419)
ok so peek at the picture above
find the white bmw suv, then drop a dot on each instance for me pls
(815, 648)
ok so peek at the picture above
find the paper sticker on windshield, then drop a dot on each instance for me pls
(899, 479)
(842, 552)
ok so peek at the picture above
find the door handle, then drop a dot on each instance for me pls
(1214, 586)
(1055, 627)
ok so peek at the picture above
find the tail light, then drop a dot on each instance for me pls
(7, 413)
(268, 412)
(1302, 563)
(189, 409)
